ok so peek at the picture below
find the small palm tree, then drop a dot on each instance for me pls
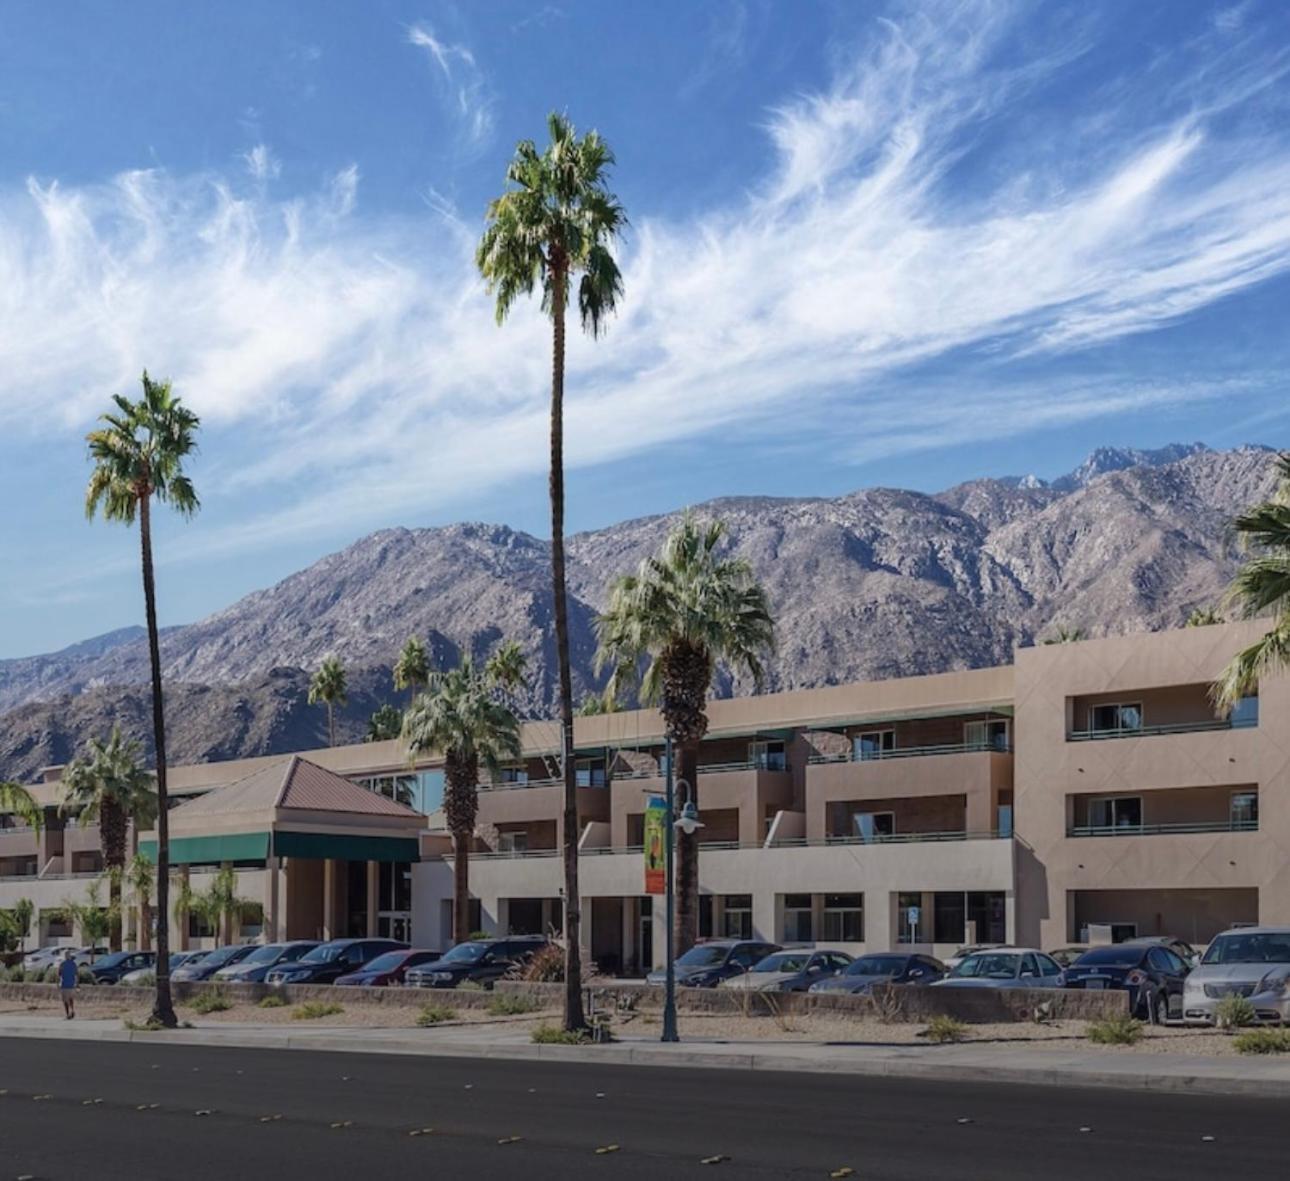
(108, 786)
(89, 917)
(220, 903)
(141, 878)
(686, 610)
(1065, 635)
(459, 717)
(1203, 617)
(138, 455)
(185, 900)
(1261, 587)
(18, 801)
(385, 723)
(556, 220)
(412, 669)
(328, 686)
(24, 910)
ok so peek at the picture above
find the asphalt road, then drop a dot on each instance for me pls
(71, 1110)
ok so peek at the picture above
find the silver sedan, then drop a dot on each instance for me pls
(1249, 962)
(789, 971)
(1012, 967)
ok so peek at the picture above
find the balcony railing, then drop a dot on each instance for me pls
(913, 752)
(897, 838)
(1154, 731)
(645, 773)
(1151, 830)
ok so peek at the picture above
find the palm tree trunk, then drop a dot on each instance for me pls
(574, 1019)
(114, 908)
(163, 1009)
(687, 854)
(331, 725)
(461, 839)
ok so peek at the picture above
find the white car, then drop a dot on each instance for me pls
(971, 949)
(1251, 962)
(1005, 967)
(42, 957)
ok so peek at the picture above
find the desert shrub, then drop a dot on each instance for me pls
(1262, 1041)
(84, 975)
(553, 1035)
(474, 936)
(511, 1006)
(435, 1015)
(1120, 1030)
(148, 981)
(1233, 1012)
(943, 1028)
(213, 1000)
(312, 1010)
(273, 1001)
(471, 986)
(544, 967)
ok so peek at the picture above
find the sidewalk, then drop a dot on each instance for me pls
(1267, 1077)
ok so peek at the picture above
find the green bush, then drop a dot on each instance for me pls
(942, 1028)
(1234, 1012)
(474, 936)
(312, 1010)
(553, 1035)
(213, 1000)
(149, 980)
(84, 975)
(1120, 1030)
(1262, 1041)
(273, 1001)
(511, 1006)
(435, 1015)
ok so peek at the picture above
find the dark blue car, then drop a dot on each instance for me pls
(1151, 973)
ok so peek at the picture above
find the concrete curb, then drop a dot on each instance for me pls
(1261, 1079)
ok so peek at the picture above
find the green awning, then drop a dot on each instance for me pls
(212, 850)
(318, 846)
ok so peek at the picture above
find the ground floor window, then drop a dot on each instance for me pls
(799, 926)
(989, 911)
(949, 913)
(844, 918)
(911, 923)
(705, 916)
(736, 916)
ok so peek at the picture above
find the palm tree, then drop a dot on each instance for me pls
(138, 454)
(686, 610)
(459, 717)
(328, 686)
(385, 723)
(141, 878)
(108, 786)
(1065, 635)
(23, 912)
(220, 903)
(412, 667)
(1203, 617)
(1261, 587)
(557, 219)
(89, 917)
(16, 799)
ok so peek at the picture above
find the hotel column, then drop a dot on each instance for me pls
(271, 903)
(329, 899)
(373, 895)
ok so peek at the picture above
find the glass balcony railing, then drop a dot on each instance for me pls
(1151, 830)
(913, 752)
(1200, 727)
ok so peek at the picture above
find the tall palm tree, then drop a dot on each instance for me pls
(505, 668)
(460, 717)
(685, 610)
(385, 723)
(17, 800)
(108, 786)
(1261, 587)
(138, 454)
(556, 220)
(24, 910)
(412, 669)
(328, 686)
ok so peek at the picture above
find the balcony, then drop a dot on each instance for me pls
(914, 752)
(1198, 727)
(1153, 830)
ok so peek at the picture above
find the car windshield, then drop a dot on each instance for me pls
(323, 954)
(221, 954)
(117, 957)
(877, 965)
(264, 955)
(466, 953)
(1111, 957)
(783, 961)
(703, 957)
(988, 966)
(1269, 948)
(386, 962)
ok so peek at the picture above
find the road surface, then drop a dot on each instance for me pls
(72, 1110)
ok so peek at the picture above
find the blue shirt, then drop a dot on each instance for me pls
(67, 974)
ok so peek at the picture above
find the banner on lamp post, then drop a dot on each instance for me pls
(655, 846)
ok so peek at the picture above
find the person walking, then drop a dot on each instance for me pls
(67, 984)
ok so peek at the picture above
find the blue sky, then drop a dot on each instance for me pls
(871, 243)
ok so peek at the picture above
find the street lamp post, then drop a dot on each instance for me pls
(688, 823)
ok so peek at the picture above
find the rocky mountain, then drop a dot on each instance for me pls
(877, 583)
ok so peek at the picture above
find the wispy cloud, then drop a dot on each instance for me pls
(261, 163)
(317, 341)
(471, 100)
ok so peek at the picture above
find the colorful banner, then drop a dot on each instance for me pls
(655, 848)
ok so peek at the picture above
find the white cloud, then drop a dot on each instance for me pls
(261, 163)
(320, 344)
(471, 100)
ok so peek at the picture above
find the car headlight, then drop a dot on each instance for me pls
(440, 975)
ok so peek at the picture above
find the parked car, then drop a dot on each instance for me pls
(707, 964)
(971, 949)
(206, 967)
(1253, 962)
(792, 970)
(324, 963)
(262, 960)
(111, 968)
(883, 968)
(1150, 973)
(1180, 947)
(389, 968)
(43, 957)
(482, 961)
(1068, 955)
(177, 958)
(1009, 967)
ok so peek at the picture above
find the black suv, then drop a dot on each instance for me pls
(111, 968)
(482, 961)
(707, 964)
(327, 961)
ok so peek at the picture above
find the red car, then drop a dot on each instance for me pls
(388, 967)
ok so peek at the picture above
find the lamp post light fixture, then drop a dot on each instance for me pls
(688, 823)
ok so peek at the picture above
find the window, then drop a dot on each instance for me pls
(1003, 820)
(1049, 966)
(990, 734)
(513, 842)
(736, 918)
(872, 826)
(1245, 809)
(1115, 718)
(1115, 812)
(949, 910)
(844, 918)
(1245, 712)
(590, 772)
(1029, 965)
(514, 775)
(873, 745)
(911, 922)
(799, 926)
(745, 957)
(768, 756)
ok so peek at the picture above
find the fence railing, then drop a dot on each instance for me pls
(1154, 731)
(1150, 830)
(913, 752)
